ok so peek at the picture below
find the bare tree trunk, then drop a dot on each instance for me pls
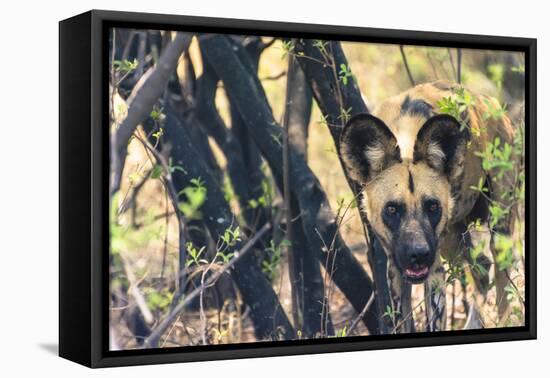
(295, 263)
(231, 147)
(268, 317)
(259, 208)
(307, 281)
(336, 107)
(318, 221)
(306, 275)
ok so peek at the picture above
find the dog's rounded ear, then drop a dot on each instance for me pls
(442, 144)
(367, 147)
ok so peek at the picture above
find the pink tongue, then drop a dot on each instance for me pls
(417, 273)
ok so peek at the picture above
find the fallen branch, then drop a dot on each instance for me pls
(153, 339)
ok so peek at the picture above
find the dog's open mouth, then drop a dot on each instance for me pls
(416, 274)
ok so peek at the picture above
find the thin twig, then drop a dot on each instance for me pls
(165, 242)
(432, 64)
(113, 79)
(201, 301)
(459, 66)
(453, 306)
(406, 64)
(514, 286)
(309, 58)
(410, 314)
(327, 282)
(173, 194)
(131, 202)
(274, 77)
(453, 68)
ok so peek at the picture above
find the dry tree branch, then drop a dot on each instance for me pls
(453, 68)
(405, 318)
(518, 293)
(432, 64)
(141, 101)
(406, 63)
(459, 66)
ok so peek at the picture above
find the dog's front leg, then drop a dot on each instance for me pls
(401, 313)
(406, 308)
(435, 301)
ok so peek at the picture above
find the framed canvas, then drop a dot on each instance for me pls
(234, 188)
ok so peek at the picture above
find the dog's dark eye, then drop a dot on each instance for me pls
(392, 214)
(391, 210)
(432, 207)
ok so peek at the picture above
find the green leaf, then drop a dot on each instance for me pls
(157, 134)
(125, 66)
(288, 48)
(496, 73)
(156, 172)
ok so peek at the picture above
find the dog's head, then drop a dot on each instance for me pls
(408, 199)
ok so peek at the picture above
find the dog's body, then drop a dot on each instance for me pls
(417, 167)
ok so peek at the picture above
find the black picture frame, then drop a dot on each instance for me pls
(83, 181)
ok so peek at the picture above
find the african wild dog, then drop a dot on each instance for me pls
(416, 167)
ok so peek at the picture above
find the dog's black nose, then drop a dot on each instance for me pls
(419, 254)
